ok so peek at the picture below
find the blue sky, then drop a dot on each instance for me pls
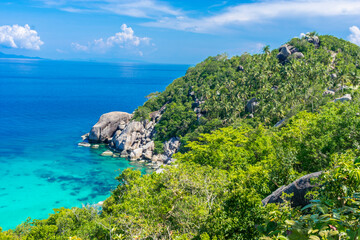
(166, 31)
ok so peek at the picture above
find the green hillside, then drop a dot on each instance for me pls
(249, 125)
(221, 91)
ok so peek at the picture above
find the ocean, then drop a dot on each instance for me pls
(45, 106)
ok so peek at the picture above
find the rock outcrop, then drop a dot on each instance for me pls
(313, 39)
(135, 140)
(299, 188)
(329, 92)
(298, 55)
(132, 139)
(107, 153)
(346, 97)
(280, 123)
(84, 144)
(251, 105)
(240, 68)
(286, 51)
(170, 147)
(108, 123)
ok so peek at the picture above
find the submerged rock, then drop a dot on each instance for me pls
(107, 153)
(108, 123)
(84, 144)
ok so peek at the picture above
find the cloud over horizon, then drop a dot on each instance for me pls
(16, 36)
(124, 39)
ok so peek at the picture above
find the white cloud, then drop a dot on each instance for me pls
(124, 39)
(141, 8)
(355, 35)
(133, 8)
(163, 15)
(259, 47)
(16, 36)
(262, 12)
(79, 47)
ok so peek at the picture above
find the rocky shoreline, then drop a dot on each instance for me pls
(131, 139)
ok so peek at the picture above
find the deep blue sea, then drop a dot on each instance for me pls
(45, 106)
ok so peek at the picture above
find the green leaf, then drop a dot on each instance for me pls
(313, 237)
(290, 222)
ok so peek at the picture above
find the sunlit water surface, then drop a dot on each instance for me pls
(45, 106)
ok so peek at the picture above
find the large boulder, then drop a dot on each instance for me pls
(284, 53)
(240, 68)
(280, 123)
(329, 92)
(346, 97)
(159, 158)
(292, 49)
(107, 153)
(136, 154)
(130, 137)
(251, 105)
(84, 144)
(171, 146)
(298, 55)
(314, 40)
(108, 123)
(299, 188)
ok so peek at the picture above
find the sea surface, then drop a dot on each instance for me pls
(45, 106)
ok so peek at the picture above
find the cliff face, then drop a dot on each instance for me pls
(132, 139)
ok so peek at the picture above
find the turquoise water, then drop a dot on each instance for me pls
(45, 106)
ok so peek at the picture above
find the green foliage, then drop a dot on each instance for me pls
(334, 215)
(220, 92)
(302, 45)
(164, 206)
(229, 161)
(142, 113)
(177, 120)
(159, 147)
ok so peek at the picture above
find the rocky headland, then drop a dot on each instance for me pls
(130, 139)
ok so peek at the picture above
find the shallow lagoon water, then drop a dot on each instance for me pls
(45, 106)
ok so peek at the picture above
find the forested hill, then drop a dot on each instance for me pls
(249, 125)
(215, 92)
